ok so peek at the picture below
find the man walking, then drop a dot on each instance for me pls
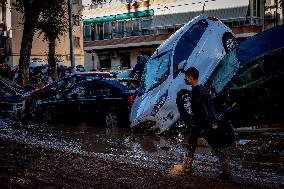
(205, 124)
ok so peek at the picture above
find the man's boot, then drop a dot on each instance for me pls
(226, 171)
(182, 169)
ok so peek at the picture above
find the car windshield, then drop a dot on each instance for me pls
(155, 72)
(227, 68)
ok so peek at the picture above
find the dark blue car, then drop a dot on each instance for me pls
(252, 76)
(102, 102)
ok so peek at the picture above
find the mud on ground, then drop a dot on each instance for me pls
(32, 158)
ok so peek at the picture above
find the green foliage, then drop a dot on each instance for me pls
(53, 23)
(53, 20)
(28, 7)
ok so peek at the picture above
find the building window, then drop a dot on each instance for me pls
(135, 28)
(77, 42)
(132, 27)
(76, 20)
(93, 32)
(105, 62)
(146, 23)
(87, 32)
(256, 8)
(128, 27)
(99, 31)
(145, 27)
(119, 29)
(125, 60)
(107, 30)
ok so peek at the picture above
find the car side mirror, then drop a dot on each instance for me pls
(181, 66)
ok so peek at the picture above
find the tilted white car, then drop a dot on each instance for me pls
(201, 43)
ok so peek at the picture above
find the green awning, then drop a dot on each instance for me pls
(119, 17)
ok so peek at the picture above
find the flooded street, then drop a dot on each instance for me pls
(83, 156)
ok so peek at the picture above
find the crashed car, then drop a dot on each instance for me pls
(56, 88)
(202, 43)
(11, 96)
(100, 101)
(251, 76)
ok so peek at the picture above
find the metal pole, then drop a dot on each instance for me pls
(203, 8)
(72, 59)
(263, 15)
(276, 3)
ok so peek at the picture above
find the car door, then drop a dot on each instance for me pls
(71, 100)
(89, 105)
(95, 103)
(257, 87)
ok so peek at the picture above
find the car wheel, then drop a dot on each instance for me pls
(229, 42)
(184, 104)
(111, 120)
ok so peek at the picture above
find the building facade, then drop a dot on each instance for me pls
(5, 30)
(40, 47)
(117, 32)
(273, 14)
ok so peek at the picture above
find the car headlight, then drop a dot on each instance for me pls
(161, 101)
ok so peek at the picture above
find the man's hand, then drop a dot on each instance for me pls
(214, 126)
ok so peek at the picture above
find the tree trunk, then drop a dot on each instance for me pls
(52, 58)
(31, 15)
(25, 53)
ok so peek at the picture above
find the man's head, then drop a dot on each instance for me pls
(191, 76)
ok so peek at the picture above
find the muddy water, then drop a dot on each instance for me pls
(254, 159)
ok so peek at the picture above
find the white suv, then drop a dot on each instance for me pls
(201, 43)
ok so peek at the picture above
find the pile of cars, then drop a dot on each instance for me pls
(249, 75)
(11, 96)
(202, 43)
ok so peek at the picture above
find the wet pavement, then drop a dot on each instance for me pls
(83, 156)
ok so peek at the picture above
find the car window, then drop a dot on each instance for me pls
(259, 69)
(102, 89)
(63, 84)
(117, 84)
(79, 91)
(187, 43)
(224, 72)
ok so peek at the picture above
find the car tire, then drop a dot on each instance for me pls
(229, 42)
(111, 120)
(183, 102)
